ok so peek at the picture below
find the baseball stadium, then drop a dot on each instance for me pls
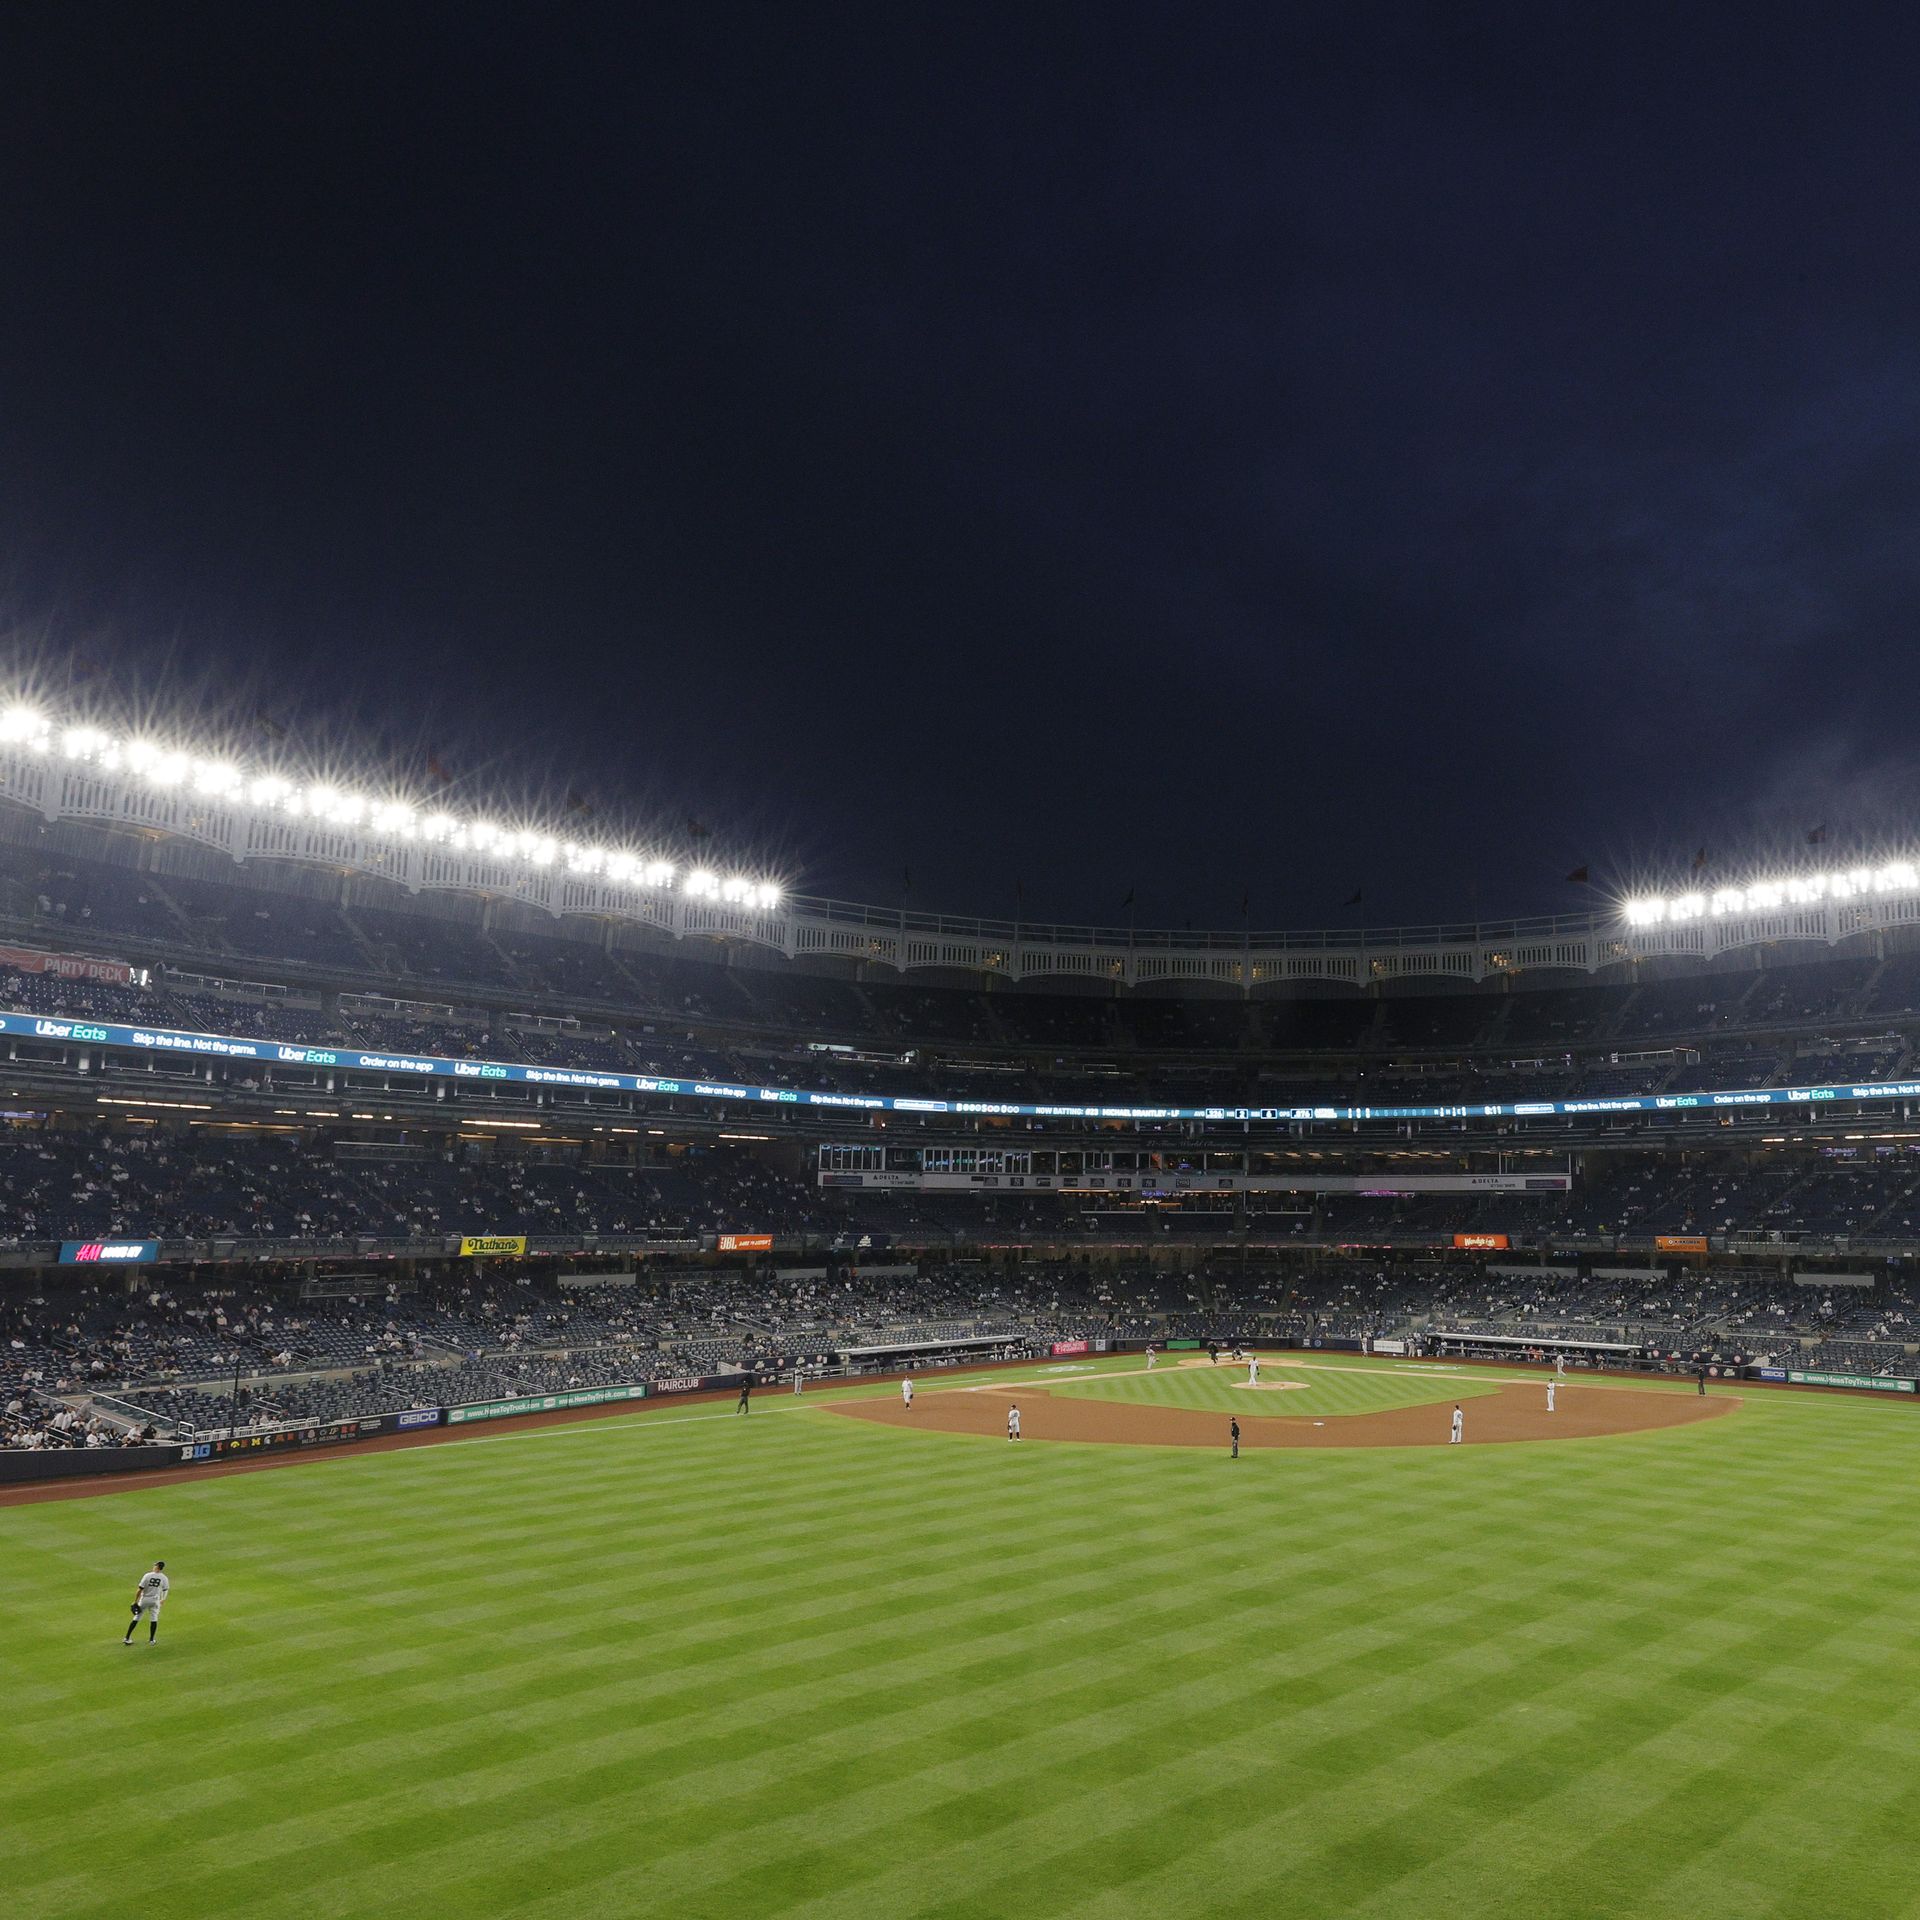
(657, 1393)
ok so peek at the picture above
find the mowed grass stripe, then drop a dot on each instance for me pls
(1036, 1653)
(1315, 1391)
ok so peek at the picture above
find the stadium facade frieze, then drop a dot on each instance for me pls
(805, 928)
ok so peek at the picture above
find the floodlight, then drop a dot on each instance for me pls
(83, 743)
(161, 765)
(215, 777)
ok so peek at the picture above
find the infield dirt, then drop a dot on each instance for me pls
(1509, 1413)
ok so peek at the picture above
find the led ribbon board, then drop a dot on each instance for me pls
(170, 1041)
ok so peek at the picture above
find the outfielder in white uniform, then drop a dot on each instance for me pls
(906, 1394)
(1253, 1369)
(1013, 1423)
(1151, 1358)
(1551, 1384)
(1459, 1428)
(148, 1599)
(1559, 1366)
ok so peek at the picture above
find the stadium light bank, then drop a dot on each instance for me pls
(395, 820)
(1766, 896)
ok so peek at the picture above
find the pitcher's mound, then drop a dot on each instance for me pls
(1268, 1386)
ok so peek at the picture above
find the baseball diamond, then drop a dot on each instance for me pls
(667, 1661)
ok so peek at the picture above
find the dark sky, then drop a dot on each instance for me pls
(1212, 451)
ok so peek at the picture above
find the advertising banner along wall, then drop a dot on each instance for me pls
(108, 1253)
(178, 1042)
(542, 1403)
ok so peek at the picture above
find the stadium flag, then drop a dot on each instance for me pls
(1126, 905)
(268, 724)
(1700, 861)
(906, 879)
(1816, 836)
(437, 769)
(698, 829)
(1357, 894)
(1579, 877)
(577, 802)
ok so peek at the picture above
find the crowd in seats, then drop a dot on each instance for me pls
(763, 1029)
(99, 1183)
(91, 1364)
(39, 1422)
(210, 1183)
(299, 919)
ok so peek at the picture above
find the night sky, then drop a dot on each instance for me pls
(996, 458)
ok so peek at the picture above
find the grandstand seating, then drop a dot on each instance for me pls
(450, 948)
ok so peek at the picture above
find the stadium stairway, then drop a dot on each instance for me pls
(375, 961)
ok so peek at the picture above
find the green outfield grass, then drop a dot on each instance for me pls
(1321, 1385)
(688, 1664)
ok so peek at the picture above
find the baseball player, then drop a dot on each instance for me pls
(1152, 1356)
(1560, 1366)
(1013, 1422)
(906, 1394)
(1253, 1369)
(1551, 1385)
(1459, 1427)
(746, 1395)
(148, 1599)
(1233, 1427)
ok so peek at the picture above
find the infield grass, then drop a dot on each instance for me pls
(690, 1664)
